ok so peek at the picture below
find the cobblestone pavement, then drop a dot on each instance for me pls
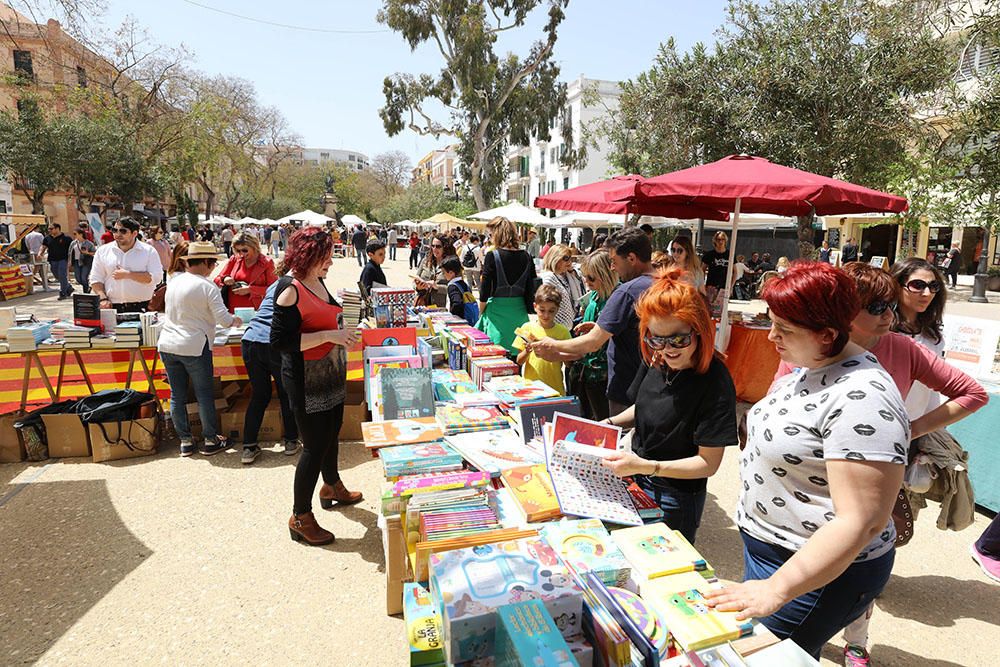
(177, 561)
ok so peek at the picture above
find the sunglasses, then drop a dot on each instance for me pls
(241, 251)
(676, 341)
(877, 308)
(120, 230)
(918, 286)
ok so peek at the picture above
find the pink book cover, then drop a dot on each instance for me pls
(458, 480)
(577, 429)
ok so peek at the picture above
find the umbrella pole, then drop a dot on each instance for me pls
(723, 341)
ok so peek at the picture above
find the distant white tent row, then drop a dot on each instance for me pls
(306, 217)
(514, 211)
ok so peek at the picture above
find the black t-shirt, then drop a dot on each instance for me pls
(717, 264)
(58, 247)
(672, 421)
(849, 253)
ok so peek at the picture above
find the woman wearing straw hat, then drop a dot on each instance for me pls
(193, 307)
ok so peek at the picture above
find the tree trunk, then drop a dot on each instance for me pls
(38, 203)
(476, 186)
(805, 232)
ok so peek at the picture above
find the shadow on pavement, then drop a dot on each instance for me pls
(718, 536)
(947, 600)
(368, 546)
(65, 548)
(889, 656)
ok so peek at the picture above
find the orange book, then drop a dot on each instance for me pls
(400, 432)
(532, 488)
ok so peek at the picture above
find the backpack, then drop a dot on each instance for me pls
(111, 405)
(469, 258)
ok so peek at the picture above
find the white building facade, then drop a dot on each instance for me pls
(354, 160)
(536, 169)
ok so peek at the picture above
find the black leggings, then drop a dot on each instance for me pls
(320, 433)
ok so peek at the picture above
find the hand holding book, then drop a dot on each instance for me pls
(624, 463)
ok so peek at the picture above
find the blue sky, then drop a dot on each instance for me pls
(329, 86)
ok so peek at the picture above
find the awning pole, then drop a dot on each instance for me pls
(723, 341)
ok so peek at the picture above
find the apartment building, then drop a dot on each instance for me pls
(537, 169)
(439, 167)
(353, 160)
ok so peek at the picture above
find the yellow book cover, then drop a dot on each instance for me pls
(656, 551)
(532, 488)
(695, 626)
(661, 588)
(423, 550)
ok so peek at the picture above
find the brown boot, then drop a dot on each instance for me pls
(303, 528)
(330, 493)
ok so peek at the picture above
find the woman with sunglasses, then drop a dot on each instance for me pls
(588, 375)
(307, 330)
(431, 286)
(684, 257)
(558, 272)
(684, 404)
(247, 274)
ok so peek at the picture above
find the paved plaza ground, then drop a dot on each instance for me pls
(174, 561)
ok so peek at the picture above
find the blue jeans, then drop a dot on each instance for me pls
(812, 619)
(82, 274)
(392, 251)
(681, 509)
(59, 270)
(263, 362)
(180, 368)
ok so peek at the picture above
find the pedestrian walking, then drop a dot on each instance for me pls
(56, 247)
(952, 263)
(81, 256)
(414, 250)
(391, 241)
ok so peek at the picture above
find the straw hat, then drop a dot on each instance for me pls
(201, 250)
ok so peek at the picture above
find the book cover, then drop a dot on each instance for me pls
(514, 389)
(532, 416)
(456, 419)
(695, 625)
(645, 654)
(423, 550)
(570, 428)
(380, 337)
(584, 485)
(406, 457)
(527, 635)
(423, 626)
(532, 489)
(86, 310)
(586, 546)
(407, 393)
(656, 551)
(400, 432)
(644, 505)
(493, 451)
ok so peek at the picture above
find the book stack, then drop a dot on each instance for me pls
(449, 384)
(353, 307)
(455, 419)
(494, 451)
(511, 390)
(229, 335)
(80, 338)
(419, 459)
(103, 341)
(656, 551)
(128, 334)
(51, 343)
(531, 488)
(395, 494)
(484, 370)
(26, 337)
(150, 328)
(584, 545)
(449, 514)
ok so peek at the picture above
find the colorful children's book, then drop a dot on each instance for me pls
(659, 588)
(531, 487)
(395, 494)
(400, 432)
(485, 369)
(513, 389)
(656, 551)
(493, 451)
(423, 627)
(644, 505)
(527, 635)
(449, 384)
(532, 416)
(645, 617)
(642, 651)
(423, 550)
(380, 337)
(694, 625)
(455, 419)
(418, 458)
(585, 546)
(570, 428)
(407, 393)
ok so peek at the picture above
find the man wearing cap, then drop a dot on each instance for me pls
(125, 273)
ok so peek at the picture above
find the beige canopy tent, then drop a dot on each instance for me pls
(446, 221)
(514, 211)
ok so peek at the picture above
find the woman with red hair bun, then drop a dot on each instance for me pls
(684, 403)
(307, 329)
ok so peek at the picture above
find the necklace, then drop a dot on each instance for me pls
(667, 378)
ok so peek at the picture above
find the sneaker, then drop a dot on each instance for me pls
(220, 444)
(292, 447)
(187, 448)
(855, 656)
(250, 454)
(991, 566)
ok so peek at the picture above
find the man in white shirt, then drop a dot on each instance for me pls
(227, 240)
(33, 241)
(391, 242)
(125, 273)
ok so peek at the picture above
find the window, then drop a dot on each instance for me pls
(996, 250)
(566, 183)
(81, 77)
(324, 156)
(22, 64)
(977, 60)
(552, 187)
(541, 161)
(3, 206)
(350, 158)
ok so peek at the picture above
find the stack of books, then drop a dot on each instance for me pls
(51, 343)
(350, 299)
(128, 334)
(511, 390)
(455, 419)
(229, 336)
(79, 338)
(484, 370)
(26, 337)
(151, 326)
(104, 341)
(419, 459)
(495, 451)
(449, 384)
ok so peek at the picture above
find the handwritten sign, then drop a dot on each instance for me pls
(973, 345)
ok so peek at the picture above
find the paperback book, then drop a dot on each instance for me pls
(493, 451)
(407, 393)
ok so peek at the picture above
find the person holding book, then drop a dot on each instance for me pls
(247, 274)
(432, 288)
(507, 287)
(461, 302)
(821, 470)
(547, 301)
(588, 376)
(307, 331)
(372, 273)
(684, 404)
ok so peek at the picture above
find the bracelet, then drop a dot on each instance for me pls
(656, 469)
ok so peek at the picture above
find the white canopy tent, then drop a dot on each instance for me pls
(247, 221)
(407, 224)
(351, 220)
(307, 217)
(268, 222)
(220, 220)
(514, 211)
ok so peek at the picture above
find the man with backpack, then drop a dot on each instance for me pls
(472, 260)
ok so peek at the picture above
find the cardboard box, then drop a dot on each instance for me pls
(106, 440)
(66, 435)
(272, 428)
(354, 415)
(11, 446)
(194, 416)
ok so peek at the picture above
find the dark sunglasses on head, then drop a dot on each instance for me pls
(676, 341)
(918, 286)
(876, 308)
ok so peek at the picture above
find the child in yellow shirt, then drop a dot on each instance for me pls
(533, 367)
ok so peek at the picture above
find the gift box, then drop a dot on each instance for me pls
(471, 584)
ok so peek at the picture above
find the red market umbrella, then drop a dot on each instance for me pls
(743, 183)
(592, 198)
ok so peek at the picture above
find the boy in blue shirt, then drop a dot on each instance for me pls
(461, 303)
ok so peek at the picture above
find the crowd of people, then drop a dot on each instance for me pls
(862, 388)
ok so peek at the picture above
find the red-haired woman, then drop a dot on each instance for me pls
(821, 469)
(684, 409)
(307, 330)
